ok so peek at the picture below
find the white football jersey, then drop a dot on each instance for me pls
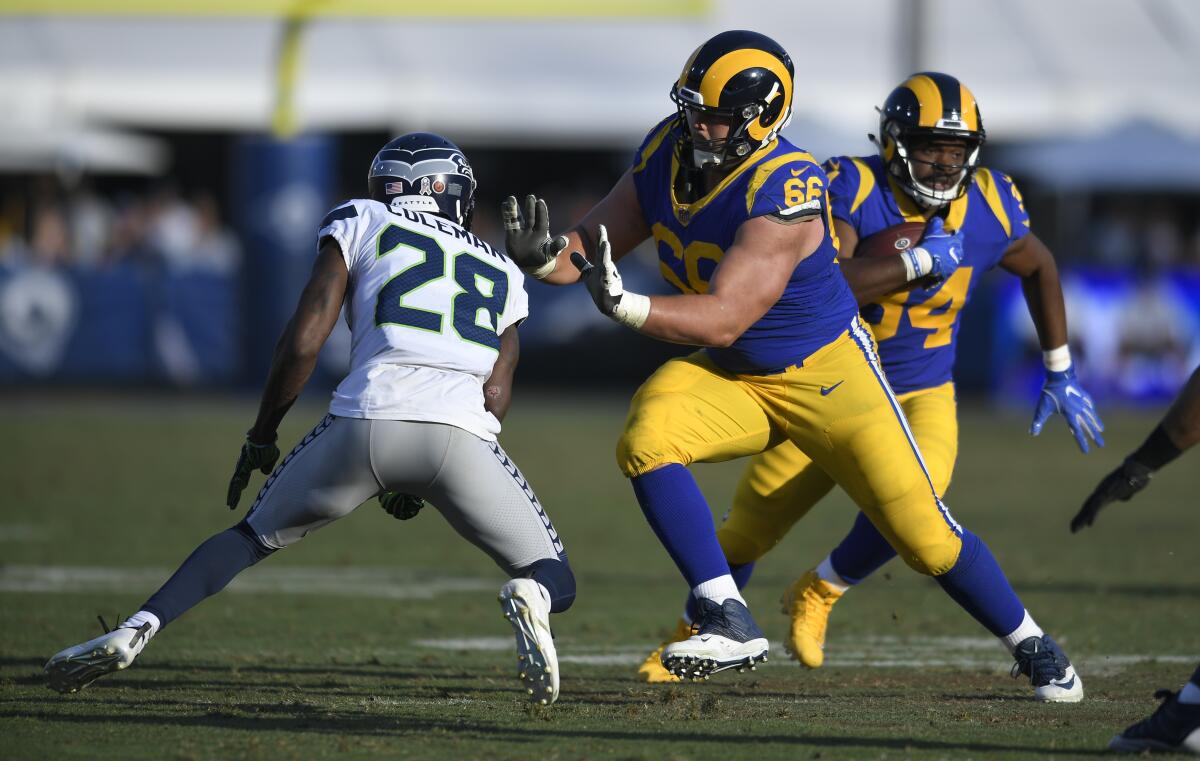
(428, 301)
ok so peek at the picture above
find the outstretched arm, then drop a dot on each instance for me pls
(1029, 259)
(295, 355)
(302, 339)
(750, 278)
(1178, 431)
(528, 241)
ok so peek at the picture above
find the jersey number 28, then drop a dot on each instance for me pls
(483, 287)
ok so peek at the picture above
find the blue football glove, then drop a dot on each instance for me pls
(1063, 394)
(944, 249)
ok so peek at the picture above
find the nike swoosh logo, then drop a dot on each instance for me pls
(1071, 390)
(1065, 685)
(798, 172)
(827, 390)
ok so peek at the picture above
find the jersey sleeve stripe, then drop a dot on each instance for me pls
(652, 146)
(866, 183)
(987, 185)
(764, 171)
(346, 212)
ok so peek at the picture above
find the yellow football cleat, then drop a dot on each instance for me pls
(808, 601)
(652, 670)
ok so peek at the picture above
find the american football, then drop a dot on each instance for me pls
(892, 240)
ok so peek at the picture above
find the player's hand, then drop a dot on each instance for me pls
(1063, 394)
(528, 240)
(260, 457)
(603, 282)
(1121, 484)
(399, 505)
(945, 250)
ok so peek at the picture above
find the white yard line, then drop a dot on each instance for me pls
(386, 583)
(881, 651)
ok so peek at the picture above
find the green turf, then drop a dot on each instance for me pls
(118, 483)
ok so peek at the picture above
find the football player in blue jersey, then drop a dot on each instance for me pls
(1175, 725)
(927, 171)
(744, 231)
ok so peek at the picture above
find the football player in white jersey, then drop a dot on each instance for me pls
(433, 312)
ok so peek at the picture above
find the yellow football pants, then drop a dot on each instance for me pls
(836, 408)
(782, 484)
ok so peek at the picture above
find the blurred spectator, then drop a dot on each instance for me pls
(50, 238)
(1162, 236)
(1114, 235)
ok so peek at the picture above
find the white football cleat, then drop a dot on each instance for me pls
(76, 667)
(726, 637)
(528, 611)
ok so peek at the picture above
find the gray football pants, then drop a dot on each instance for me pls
(345, 461)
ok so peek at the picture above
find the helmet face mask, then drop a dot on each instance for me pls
(930, 109)
(742, 78)
(425, 172)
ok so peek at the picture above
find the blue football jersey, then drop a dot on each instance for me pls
(917, 328)
(816, 306)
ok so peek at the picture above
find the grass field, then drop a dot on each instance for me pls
(381, 639)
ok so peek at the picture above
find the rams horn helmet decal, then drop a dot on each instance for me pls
(741, 75)
(925, 106)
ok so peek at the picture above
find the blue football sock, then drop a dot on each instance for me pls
(207, 570)
(679, 515)
(555, 575)
(741, 576)
(978, 585)
(862, 552)
(741, 573)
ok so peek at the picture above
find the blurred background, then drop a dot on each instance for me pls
(163, 166)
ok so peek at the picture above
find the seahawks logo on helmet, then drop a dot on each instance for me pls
(424, 172)
(744, 76)
(927, 106)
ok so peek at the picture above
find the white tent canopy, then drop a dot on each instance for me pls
(1039, 68)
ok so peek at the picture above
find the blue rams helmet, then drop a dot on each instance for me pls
(927, 106)
(741, 75)
(424, 172)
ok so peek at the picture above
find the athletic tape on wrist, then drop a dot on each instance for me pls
(542, 272)
(632, 310)
(1057, 360)
(917, 263)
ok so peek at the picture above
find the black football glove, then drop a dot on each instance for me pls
(1121, 484)
(528, 240)
(260, 457)
(399, 505)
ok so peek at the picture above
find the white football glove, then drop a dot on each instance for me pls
(607, 290)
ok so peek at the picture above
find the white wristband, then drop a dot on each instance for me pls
(917, 263)
(1057, 360)
(632, 310)
(541, 273)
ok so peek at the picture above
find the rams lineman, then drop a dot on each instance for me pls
(744, 231)
(433, 313)
(926, 170)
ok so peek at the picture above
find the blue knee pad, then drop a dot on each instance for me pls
(556, 576)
